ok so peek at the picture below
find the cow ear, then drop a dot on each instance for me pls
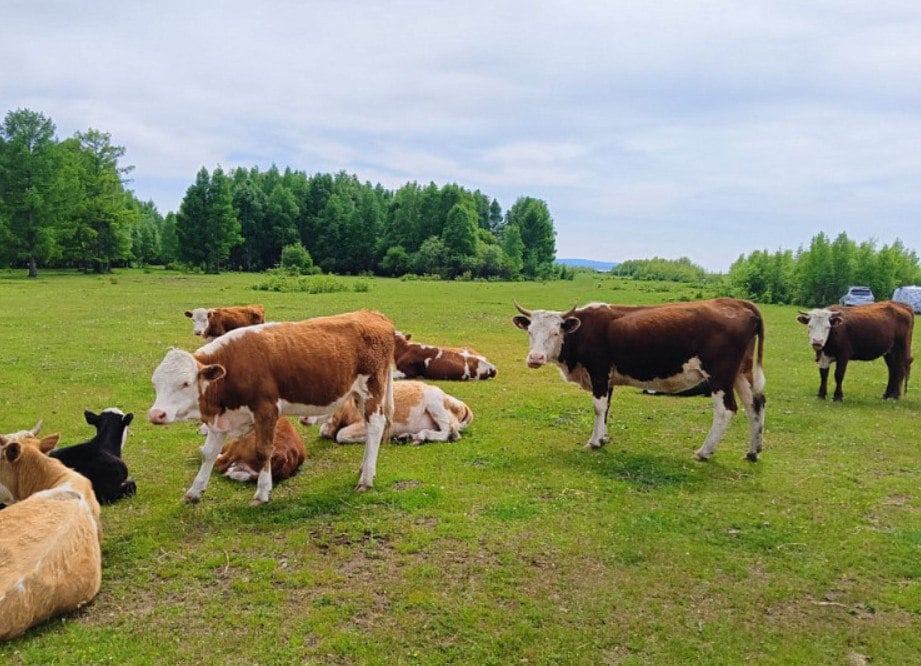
(48, 442)
(12, 450)
(571, 324)
(188, 313)
(408, 336)
(521, 322)
(836, 318)
(212, 372)
(802, 318)
(127, 419)
(91, 418)
(210, 314)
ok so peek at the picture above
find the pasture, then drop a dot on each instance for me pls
(514, 545)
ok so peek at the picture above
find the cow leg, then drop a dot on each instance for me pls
(264, 426)
(446, 425)
(724, 408)
(840, 369)
(210, 450)
(894, 387)
(377, 411)
(824, 363)
(352, 434)
(753, 401)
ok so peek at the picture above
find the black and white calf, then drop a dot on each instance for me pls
(99, 459)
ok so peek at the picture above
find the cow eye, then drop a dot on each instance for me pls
(185, 385)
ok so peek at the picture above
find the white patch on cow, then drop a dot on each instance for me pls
(825, 361)
(240, 471)
(113, 410)
(484, 368)
(396, 374)
(691, 375)
(225, 339)
(545, 337)
(210, 450)
(759, 380)
(199, 320)
(376, 424)
(263, 484)
(578, 375)
(596, 306)
(176, 388)
(358, 387)
(427, 361)
(819, 326)
(721, 420)
(600, 430)
(234, 422)
(116, 410)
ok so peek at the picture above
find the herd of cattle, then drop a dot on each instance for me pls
(339, 371)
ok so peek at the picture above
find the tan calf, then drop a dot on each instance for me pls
(50, 560)
(238, 459)
(421, 413)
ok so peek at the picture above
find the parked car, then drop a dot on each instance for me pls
(857, 296)
(910, 295)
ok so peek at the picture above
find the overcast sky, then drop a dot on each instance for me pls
(699, 129)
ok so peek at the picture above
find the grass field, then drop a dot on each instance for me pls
(514, 545)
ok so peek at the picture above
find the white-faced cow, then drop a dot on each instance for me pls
(667, 348)
(862, 333)
(214, 322)
(414, 359)
(421, 413)
(249, 377)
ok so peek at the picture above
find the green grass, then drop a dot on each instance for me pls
(513, 545)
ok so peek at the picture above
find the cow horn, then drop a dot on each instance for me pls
(571, 311)
(803, 313)
(526, 313)
(38, 426)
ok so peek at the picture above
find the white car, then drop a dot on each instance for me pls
(910, 295)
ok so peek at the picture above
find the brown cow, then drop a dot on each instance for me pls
(215, 322)
(667, 348)
(50, 559)
(238, 457)
(861, 333)
(249, 377)
(418, 360)
(421, 413)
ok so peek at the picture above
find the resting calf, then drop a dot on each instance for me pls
(238, 459)
(50, 560)
(418, 360)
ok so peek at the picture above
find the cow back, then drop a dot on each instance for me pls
(870, 331)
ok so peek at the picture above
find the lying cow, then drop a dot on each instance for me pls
(418, 360)
(50, 559)
(249, 377)
(862, 333)
(100, 459)
(215, 322)
(666, 348)
(238, 457)
(421, 413)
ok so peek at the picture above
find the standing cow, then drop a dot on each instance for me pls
(861, 333)
(249, 377)
(667, 348)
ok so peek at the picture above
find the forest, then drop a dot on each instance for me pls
(66, 203)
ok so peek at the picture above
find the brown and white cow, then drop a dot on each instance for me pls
(211, 323)
(249, 377)
(238, 457)
(50, 558)
(862, 333)
(421, 413)
(667, 348)
(414, 359)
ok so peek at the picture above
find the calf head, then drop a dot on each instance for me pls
(12, 454)
(819, 323)
(199, 317)
(112, 425)
(546, 330)
(179, 382)
(19, 435)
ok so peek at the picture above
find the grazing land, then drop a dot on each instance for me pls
(514, 545)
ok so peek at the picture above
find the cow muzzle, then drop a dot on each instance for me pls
(536, 360)
(818, 346)
(157, 416)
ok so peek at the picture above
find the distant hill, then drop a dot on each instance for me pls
(588, 263)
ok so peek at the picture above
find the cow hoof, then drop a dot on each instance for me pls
(751, 457)
(191, 499)
(839, 398)
(362, 487)
(257, 502)
(699, 457)
(821, 396)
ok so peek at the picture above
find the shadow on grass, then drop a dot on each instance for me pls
(646, 472)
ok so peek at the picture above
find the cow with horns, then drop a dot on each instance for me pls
(668, 348)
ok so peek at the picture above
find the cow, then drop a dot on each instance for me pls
(100, 459)
(666, 348)
(419, 360)
(862, 333)
(215, 322)
(249, 377)
(421, 413)
(50, 557)
(238, 457)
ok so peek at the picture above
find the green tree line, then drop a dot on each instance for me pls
(673, 270)
(65, 203)
(819, 275)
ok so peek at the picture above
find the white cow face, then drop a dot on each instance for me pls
(546, 329)
(819, 323)
(199, 317)
(176, 382)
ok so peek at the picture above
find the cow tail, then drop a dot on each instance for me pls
(758, 369)
(911, 359)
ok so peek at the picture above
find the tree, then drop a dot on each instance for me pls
(207, 227)
(296, 259)
(460, 238)
(29, 180)
(513, 247)
(537, 233)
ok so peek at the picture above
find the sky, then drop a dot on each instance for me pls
(698, 129)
